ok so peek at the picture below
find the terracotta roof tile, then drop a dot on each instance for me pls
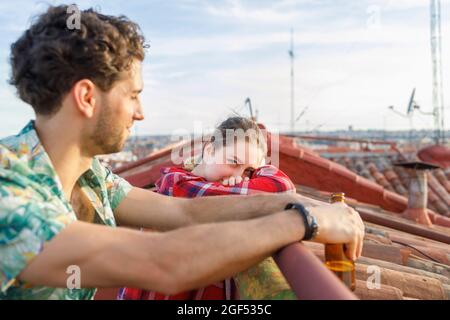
(380, 168)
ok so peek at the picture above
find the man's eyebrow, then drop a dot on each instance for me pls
(137, 91)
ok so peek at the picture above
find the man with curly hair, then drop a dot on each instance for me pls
(61, 211)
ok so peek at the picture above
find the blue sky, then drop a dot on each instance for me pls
(353, 59)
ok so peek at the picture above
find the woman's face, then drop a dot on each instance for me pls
(231, 160)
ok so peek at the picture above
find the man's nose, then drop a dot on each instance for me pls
(138, 113)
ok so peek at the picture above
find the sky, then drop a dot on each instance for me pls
(353, 59)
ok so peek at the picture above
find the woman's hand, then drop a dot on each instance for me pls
(339, 223)
(233, 180)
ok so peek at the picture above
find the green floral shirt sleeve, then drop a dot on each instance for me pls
(117, 188)
(33, 209)
(25, 225)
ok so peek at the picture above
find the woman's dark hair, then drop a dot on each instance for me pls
(230, 126)
(49, 58)
(235, 124)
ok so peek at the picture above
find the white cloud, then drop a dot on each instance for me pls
(341, 86)
(345, 72)
(407, 4)
(386, 35)
(235, 9)
(182, 46)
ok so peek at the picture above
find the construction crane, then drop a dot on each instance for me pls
(436, 53)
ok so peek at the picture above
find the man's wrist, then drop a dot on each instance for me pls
(320, 213)
(310, 222)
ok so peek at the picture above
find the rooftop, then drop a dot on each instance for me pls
(414, 259)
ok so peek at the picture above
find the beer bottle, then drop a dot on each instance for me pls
(335, 258)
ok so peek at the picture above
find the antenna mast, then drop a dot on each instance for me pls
(438, 97)
(291, 55)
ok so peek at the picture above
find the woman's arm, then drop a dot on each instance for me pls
(268, 178)
(264, 179)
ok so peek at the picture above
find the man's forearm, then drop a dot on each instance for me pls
(169, 262)
(230, 208)
(212, 252)
(144, 208)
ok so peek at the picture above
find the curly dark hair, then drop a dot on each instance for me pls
(49, 58)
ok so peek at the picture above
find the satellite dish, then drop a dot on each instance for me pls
(411, 103)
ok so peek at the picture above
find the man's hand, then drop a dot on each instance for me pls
(339, 223)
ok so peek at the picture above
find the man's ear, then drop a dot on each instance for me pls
(83, 94)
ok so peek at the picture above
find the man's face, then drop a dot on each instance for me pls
(118, 109)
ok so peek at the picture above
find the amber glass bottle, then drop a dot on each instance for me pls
(335, 257)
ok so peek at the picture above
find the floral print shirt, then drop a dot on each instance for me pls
(33, 210)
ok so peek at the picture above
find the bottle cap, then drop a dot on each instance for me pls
(338, 197)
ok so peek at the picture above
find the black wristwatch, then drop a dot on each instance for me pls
(311, 226)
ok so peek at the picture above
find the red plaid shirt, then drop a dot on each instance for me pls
(178, 182)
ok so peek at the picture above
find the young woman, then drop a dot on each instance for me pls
(232, 162)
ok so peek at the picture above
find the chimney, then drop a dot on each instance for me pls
(418, 191)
